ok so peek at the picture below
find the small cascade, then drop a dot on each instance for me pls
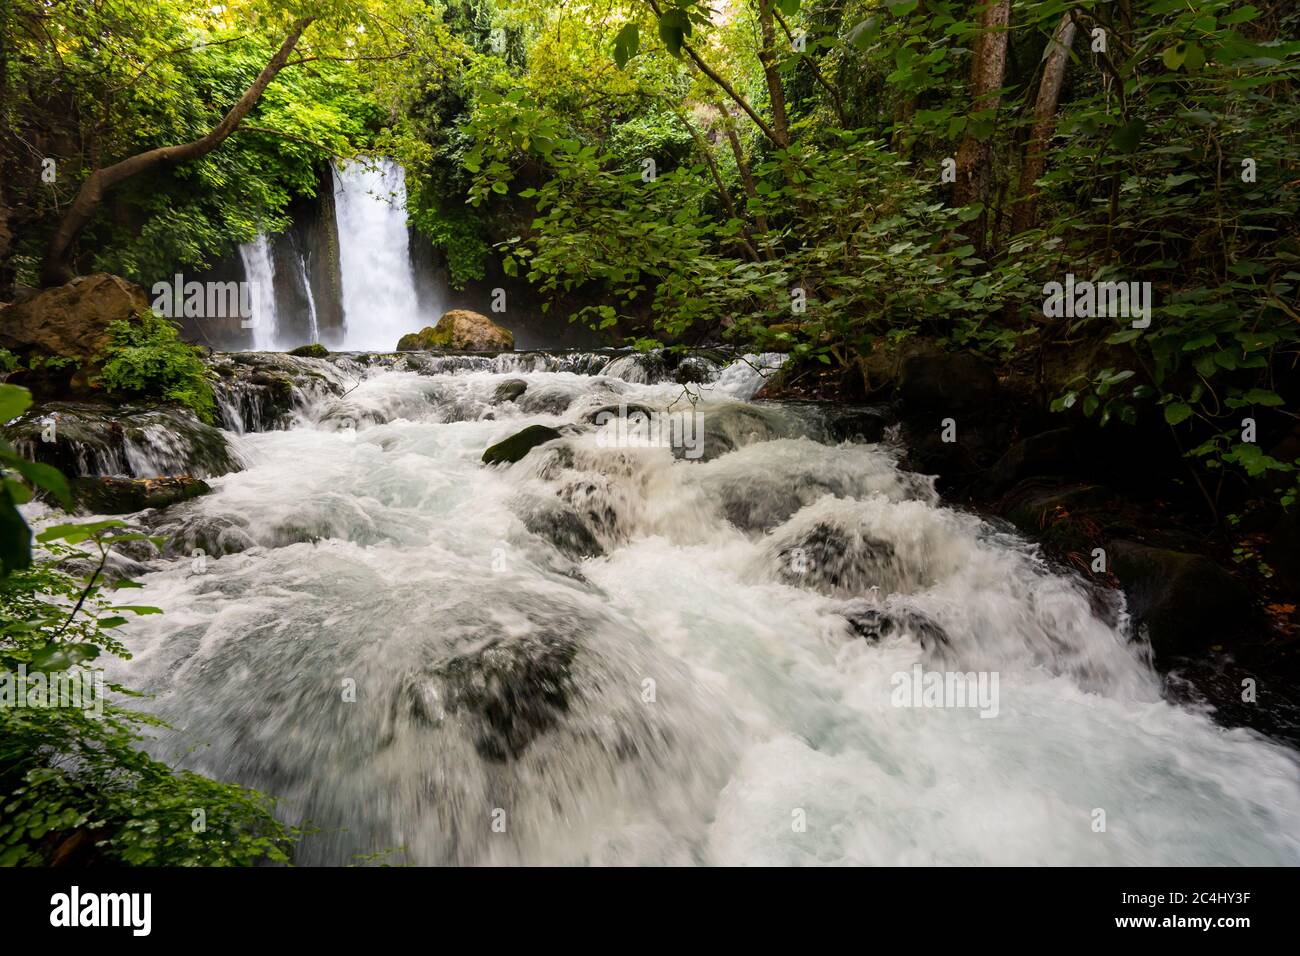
(259, 272)
(775, 587)
(379, 297)
(313, 323)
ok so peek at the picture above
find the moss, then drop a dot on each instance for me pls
(315, 350)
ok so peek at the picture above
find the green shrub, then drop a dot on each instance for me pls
(148, 359)
(74, 785)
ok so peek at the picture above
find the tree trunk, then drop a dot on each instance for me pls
(767, 57)
(974, 155)
(1055, 60)
(56, 267)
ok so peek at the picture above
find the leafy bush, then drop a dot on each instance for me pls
(147, 358)
(73, 783)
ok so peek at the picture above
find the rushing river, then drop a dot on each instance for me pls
(616, 655)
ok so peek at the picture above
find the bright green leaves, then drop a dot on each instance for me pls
(14, 400)
(626, 44)
(1189, 57)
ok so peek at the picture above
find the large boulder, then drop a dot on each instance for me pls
(70, 322)
(1184, 602)
(460, 330)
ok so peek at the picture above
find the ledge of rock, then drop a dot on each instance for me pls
(460, 330)
(120, 496)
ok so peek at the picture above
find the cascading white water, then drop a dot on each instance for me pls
(259, 272)
(379, 299)
(313, 324)
(630, 658)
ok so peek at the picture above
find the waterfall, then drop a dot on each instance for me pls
(379, 300)
(313, 324)
(259, 272)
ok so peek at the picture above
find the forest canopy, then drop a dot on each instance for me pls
(814, 176)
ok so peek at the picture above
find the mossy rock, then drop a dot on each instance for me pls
(459, 330)
(120, 496)
(315, 350)
(518, 445)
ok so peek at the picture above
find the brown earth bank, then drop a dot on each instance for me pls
(1212, 589)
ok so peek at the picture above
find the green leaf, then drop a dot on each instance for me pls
(42, 476)
(14, 400)
(1177, 412)
(627, 44)
(674, 28)
(1127, 137)
(59, 656)
(15, 536)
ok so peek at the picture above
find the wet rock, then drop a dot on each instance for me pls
(564, 528)
(1062, 517)
(834, 559)
(120, 496)
(728, 427)
(258, 391)
(192, 534)
(951, 383)
(509, 390)
(1184, 602)
(86, 439)
(546, 400)
(874, 623)
(607, 413)
(855, 423)
(518, 445)
(315, 350)
(640, 368)
(694, 370)
(517, 689)
(460, 330)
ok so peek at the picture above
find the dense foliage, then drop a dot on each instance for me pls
(74, 785)
(147, 359)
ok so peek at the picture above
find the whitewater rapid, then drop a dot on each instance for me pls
(612, 655)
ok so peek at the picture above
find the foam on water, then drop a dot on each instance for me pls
(609, 645)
